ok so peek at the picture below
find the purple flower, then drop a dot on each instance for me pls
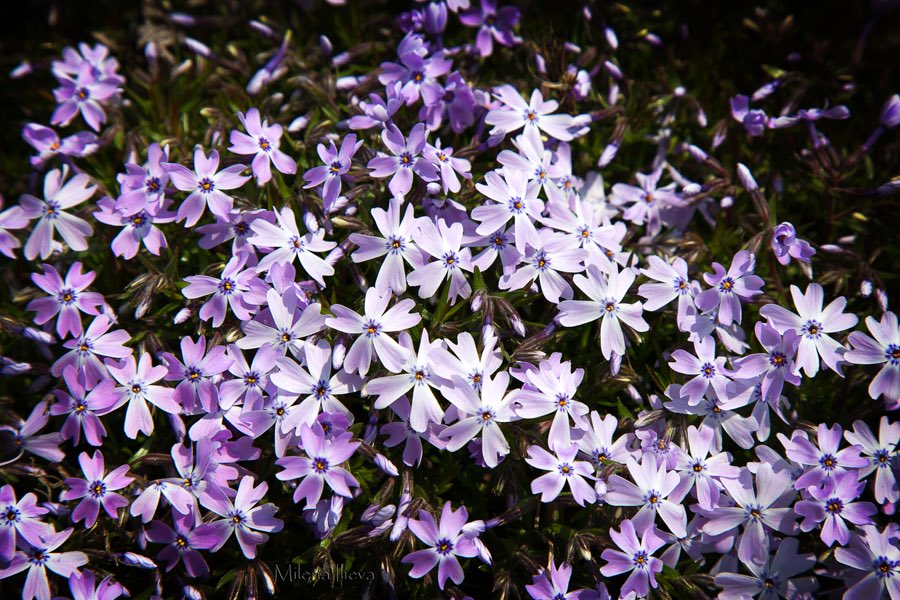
(513, 199)
(194, 374)
(553, 255)
(182, 544)
(290, 324)
(415, 71)
(707, 368)
(786, 245)
(882, 454)
(701, 472)
(729, 288)
(551, 389)
(776, 365)
(25, 435)
(144, 187)
(597, 441)
(834, 504)
(139, 228)
(321, 465)
(537, 113)
(67, 299)
(407, 159)
(85, 587)
(51, 216)
(48, 143)
(22, 519)
(653, 484)
(493, 25)
(875, 553)
(242, 517)
(38, 558)
(85, 351)
(454, 98)
(823, 462)
(813, 326)
(481, 411)
(237, 288)
(562, 469)
(718, 415)
(287, 244)
(205, 184)
(337, 165)
(451, 538)
(84, 93)
(449, 166)
(606, 294)
(315, 384)
(378, 112)
(84, 408)
(647, 201)
(754, 120)
(372, 330)
(97, 488)
(261, 141)
(761, 511)
(556, 585)
(136, 381)
(402, 431)
(772, 578)
(102, 65)
(11, 218)
(884, 348)
(464, 360)
(637, 557)
(418, 375)
(396, 244)
(442, 242)
(147, 502)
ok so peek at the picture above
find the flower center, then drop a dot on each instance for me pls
(153, 184)
(206, 185)
(565, 469)
(372, 328)
(727, 285)
(828, 462)
(320, 465)
(812, 329)
(708, 370)
(264, 144)
(83, 94)
(406, 159)
(444, 546)
(777, 359)
(834, 506)
(11, 514)
(67, 296)
(892, 354)
(97, 489)
(640, 558)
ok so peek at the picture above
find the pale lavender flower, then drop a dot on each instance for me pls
(653, 483)
(287, 244)
(26, 438)
(378, 111)
(786, 245)
(513, 199)
(315, 384)
(606, 295)
(52, 217)
(464, 360)
(635, 556)
(38, 558)
(882, 454)
(372, 330)
(701, 472)
(290, 325)
(449, 166)
(337, 165)
(481, 411)
(555, 585)
(321, 465)
(68, 298)
(146, 503)
(647, 201)
(562, 469)
(876, 554)
(84, 408)
(144, 187)
(553, 255)
(552, 388)
(242, 517)
(442, 242)
(673, 283)
(205, 184)
(405, 161)
(813, 325)
(454, 98)
(754, 120)
(776, 365)
(136, 388)
(11, 218)
(707, 368)
(86, 350)
(768, 508)
(414, 71)
(20, 519)
(85, 587)
(262, 141)
(772, 578)
(832, 505)
(396, 244)
(718, 415)
(500, 244)
(48, 143)
(139, 228)
(237, 288)
(451, 538)
(884, 348)
(402, 431)
(84, 93)
(98, 488)
(537, 113)
(417, 375)
(730, 287)
(588, 226)
(826, 460)
(237, 226)
(597, 441)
